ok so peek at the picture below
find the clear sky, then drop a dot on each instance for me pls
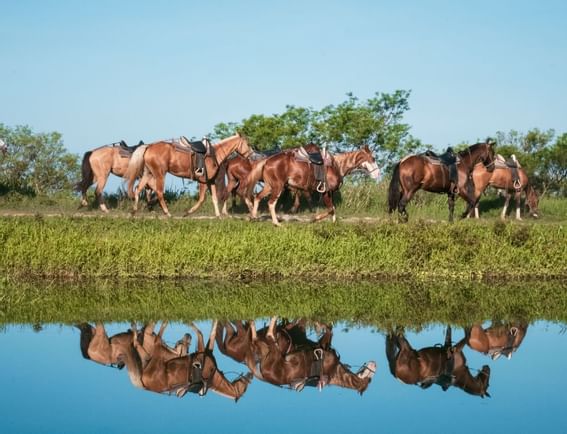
(100, 71)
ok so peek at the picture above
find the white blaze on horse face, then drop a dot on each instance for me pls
(372, 169)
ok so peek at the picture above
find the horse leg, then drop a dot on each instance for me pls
(272, 202)
(296, 202)
(328, 199)
(271, 328)
(212, 336)
(518, 199)
(162, 329)
(160, 186)
(451, 204)
(309, 200)
(144, 181)
(202, 192)
(252, 328)
(182, 346)
(407, 194)
(200, 341)
(100, 183)
(213, 188)
(265, 191)
(503, 214)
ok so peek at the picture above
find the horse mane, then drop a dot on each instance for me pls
(471, 149)
(226, 139)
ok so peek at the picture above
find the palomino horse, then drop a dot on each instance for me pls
(282, 355)
(159, 158)
(98, 164)
(496, 340)
(416, 171)
(285, 169)
(442, 365)
(128, 349)
(196, 372)
(501, 178)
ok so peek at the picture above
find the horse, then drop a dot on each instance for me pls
(159, 158)
(284, 356)
(442, 365)
(196, 372)
(128, 349)
(3, 147)
(285, 169)
(496, 340)
(98, 164)
(501, 178)
(417, 171)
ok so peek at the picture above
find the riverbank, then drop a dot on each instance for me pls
(230, 249)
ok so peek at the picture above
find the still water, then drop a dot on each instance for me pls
(48, 386)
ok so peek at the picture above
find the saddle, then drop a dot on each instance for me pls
(316, 160)
(448, 159)
(125, 150)
(316, 377)
(199, 150)
(513, 165)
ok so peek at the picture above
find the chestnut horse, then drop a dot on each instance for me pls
(442, 365)
(501, 178)
(282, 355)
(159, 158)
(496, 340)
(284, 170)
(196, 372)
(96, 167)
(416, 171)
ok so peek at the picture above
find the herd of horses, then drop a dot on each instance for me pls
(232, 168)
(282, 354)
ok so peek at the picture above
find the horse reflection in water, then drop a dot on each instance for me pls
(442, 365)
(496, 340)
(154, 366)
(283, 355)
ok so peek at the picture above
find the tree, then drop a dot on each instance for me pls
(376, 122)
(36, 163)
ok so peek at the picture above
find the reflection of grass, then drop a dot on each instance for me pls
(408, 304)
(235, 249)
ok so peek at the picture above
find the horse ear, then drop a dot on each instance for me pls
(366, 147)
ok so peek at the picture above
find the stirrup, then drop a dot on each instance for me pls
(321, 187)
(199, 172)
(517, 185)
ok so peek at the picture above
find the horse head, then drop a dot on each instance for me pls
(479, 153)
(532, 202)
(243, 147)
(367, 161)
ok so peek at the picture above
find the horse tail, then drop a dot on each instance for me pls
(86, 338)
(86, 172)
(394, 190)
(135, 167)
(254, 176)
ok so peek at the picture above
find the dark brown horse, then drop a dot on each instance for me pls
(282, 355)
(286, 170)
(196, 372)
(501, 178)
(159, 158)
(97, 166)
(442, 365)
(498, 339)
(418, 172)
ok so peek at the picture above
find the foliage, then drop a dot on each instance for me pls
(352, 123)
(544, 159)
(236, 249)
(36, 163)
(382, 305)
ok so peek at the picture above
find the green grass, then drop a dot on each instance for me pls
(384, 305)
(237, 249)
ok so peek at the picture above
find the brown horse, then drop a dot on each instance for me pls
(496, 340)
(417, 171)
(284, 356)
(159, 158)
(285, 170)
(501, 178)
(442, 365)
(196, 372)
(98, 164)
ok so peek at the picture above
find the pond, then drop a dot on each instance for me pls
(49, 386)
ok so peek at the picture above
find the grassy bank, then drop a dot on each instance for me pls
(384, 305)
(236, 249)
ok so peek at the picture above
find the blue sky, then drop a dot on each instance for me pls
(101, 71)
